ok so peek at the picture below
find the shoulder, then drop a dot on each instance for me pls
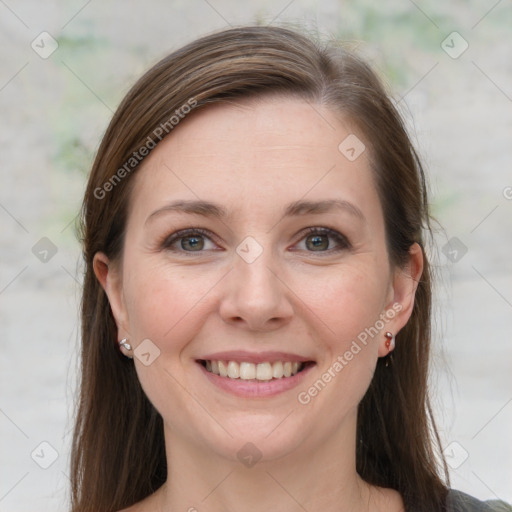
(458, 501)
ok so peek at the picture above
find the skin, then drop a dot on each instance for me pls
(255, 158)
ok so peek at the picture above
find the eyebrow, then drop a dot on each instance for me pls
(295, 209)
(325, 206)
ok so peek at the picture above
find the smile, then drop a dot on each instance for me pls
(246, 370)
(250, 374)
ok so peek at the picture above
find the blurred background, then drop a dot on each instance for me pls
(64, 68)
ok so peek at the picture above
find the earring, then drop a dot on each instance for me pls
(124, 343)
(390, 341)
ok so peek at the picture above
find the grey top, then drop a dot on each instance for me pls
(458, 501)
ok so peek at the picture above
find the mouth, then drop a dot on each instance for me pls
(259, 372)
(259, 378)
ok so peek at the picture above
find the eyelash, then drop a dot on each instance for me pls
(340, 240)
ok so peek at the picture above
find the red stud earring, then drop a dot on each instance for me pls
(390, 341)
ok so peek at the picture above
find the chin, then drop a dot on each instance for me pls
(259, 435)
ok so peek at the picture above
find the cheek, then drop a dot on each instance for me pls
(165, 303)
(348, 304)
(346, 299)
(169, 307)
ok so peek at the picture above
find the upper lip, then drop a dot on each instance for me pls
(255, 357)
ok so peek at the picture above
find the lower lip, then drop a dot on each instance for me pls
(253, 388)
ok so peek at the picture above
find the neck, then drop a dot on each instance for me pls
(323, 478)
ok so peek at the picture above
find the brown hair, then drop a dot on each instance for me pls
(118, 455)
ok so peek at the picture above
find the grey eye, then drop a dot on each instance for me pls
(192, 243)
(317, 242)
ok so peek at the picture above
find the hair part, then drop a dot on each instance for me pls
(118, 452)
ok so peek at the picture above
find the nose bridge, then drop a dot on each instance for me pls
(255, 295)
(255, 278)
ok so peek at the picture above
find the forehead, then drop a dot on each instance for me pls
(257, 155)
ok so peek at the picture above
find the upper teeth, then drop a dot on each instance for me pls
(247, 371)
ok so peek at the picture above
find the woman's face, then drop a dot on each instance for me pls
(253, 237)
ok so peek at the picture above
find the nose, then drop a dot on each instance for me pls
(255, 297)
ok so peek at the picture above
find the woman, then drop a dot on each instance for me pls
(257, 298)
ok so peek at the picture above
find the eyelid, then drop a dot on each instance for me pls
(183, 233)
(342, 240)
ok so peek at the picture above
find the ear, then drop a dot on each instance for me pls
(402, 293)
(110, 279)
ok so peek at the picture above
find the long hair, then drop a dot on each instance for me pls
(118, 454)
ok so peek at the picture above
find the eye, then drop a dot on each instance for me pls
(323, 240)
(189, 240)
